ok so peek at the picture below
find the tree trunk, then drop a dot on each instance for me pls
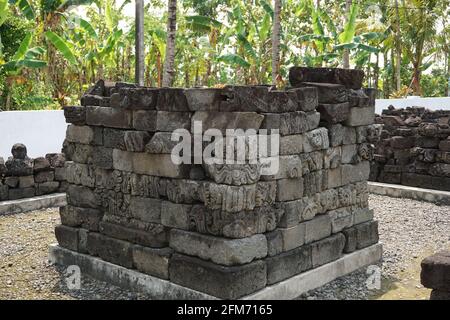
(398, 49)
(276, 41)
(140, 46)
(386, 80)
(447, 89)
(168, 74)
(346, 56)
(415, 82)
(377, 72)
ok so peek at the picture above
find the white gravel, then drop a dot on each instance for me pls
(409, 231)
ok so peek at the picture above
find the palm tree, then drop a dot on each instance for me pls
(418, 31)
(169, 62)
(276, 41)
(346, 56)
(140, 49)
(398, 48)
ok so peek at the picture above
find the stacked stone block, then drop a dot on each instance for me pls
(414, 148)
(225, 230)
(22, 177)
(435, 275)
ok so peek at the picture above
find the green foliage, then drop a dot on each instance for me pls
(434, 84)
(52, 53)
(62, 46)
(25, 7)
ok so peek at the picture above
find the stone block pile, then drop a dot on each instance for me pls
(22, 177)
(227, 230)
(414, 148)
(435, 275)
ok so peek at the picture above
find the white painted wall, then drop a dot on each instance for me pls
(429, 103)
(41, 131)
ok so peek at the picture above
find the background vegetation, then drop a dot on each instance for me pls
(52, 50)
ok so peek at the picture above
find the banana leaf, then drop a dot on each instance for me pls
(23, 47)
(62, 46)
(234, 59)
(25, 7)
(350, 27)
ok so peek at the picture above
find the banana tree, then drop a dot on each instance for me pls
(3, 15)
(205, 35)
(24, 58)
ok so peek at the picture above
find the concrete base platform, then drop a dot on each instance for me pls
(163, 289)
(400, 191)
(31, 204)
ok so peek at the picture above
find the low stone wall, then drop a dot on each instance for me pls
(436, 275)
(227, 230)
(414, 148)
(22, 177)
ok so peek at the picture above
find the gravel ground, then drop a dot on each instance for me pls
(25, 272)
(409, 230)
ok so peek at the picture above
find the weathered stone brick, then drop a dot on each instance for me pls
(327, 250)
(146, 209)
(4, 189)
(288, 264)
(334, 113)
(135, 141)
(227, 120)
(41, 164)
(77, 217)
(47, 188)
(114, 138)
(102, 157)
(222, 251)
(26, 182)
(361, 236)
(274, 243)
(355, 173)
(435, 272)
(293, 237)
(316, 140)
(154, 236)
(160, 165)
(83, 197)
(21, 193)
(44, 176)
(203, 99)
(109, 117)
(317, 228)
(361, 116)
(75, 115)
(84, 134)
(292, 122)
(289, 189)
(110, 249)
(219, 281)
(152, 261)
(350, 78)
(67, 237)
(172, 99)
(161, 142)
(328, 93)
(341, 219)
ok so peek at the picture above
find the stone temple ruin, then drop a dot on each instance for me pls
(414, 148)
(22, 177)
(223, 230)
